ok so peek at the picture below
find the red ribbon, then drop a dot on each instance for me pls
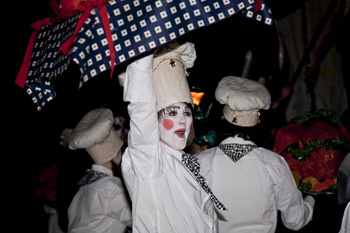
(102, 9)
(23, 72)
(258, 6)
(87, 7)
(36, 26)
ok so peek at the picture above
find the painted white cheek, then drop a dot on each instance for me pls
(180, 143)
(188, 129)
(165, 135)
(168, 137)
(186, 135)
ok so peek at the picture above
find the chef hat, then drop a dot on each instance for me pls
(169, 73)
(242, 98)
(96, 134)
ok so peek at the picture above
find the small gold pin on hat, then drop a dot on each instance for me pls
(172, 63)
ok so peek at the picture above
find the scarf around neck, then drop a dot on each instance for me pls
(236, 151)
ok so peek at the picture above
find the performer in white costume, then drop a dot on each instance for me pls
(101, 204)
(253, 182)
(167, 192)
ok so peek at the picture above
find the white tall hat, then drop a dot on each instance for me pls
(169, 73)
(243, 98)
(96, 134)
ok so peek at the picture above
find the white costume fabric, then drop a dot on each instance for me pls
(343, 181)
(345, 224)
(101, 206)
(165, 196)
(253, 189)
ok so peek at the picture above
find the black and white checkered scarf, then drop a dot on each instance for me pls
(91, 176)
(236, 151)
(192, 164)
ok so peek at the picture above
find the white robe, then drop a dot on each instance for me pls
(101, 206)
(165, 196)
(253, 189)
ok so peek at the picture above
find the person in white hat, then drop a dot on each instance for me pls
(167, 192)
(101, 203)
(253, 182)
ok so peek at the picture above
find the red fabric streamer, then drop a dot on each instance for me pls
(258, 6)
(102, 9)
(23, 72)
(87, 7)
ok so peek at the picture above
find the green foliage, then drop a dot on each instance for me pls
(333, 144)
(302, 154)
(332, 188)
(320, 114)
(305, 186)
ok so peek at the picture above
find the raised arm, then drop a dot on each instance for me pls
(143, 137)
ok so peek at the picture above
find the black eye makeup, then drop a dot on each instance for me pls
(171, 111)
(187, 111)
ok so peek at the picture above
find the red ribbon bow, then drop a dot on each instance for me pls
(85, 7)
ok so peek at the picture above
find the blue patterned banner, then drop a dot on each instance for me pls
(134, 27)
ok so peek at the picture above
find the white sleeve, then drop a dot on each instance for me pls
(296, 212)
(138, 84)
(143, 137)
(345, 224)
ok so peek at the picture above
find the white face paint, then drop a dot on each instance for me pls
(176, 125)
(121, 127)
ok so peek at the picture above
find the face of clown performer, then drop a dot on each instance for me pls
(121, 126)
(175, 125)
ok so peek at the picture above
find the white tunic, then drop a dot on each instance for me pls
(253, 189)
(101, 206)
(165, 196)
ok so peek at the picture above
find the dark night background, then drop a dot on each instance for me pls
(31, 137)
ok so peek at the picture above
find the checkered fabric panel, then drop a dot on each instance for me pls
(41, 92)
(91, 176)
(236, 151)
(137, 26)
(191, 162)
(264, 15)
(141, 25)
(47, 61)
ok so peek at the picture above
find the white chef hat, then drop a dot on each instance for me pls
(96, 134)
(242, 98)
(169, 73)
